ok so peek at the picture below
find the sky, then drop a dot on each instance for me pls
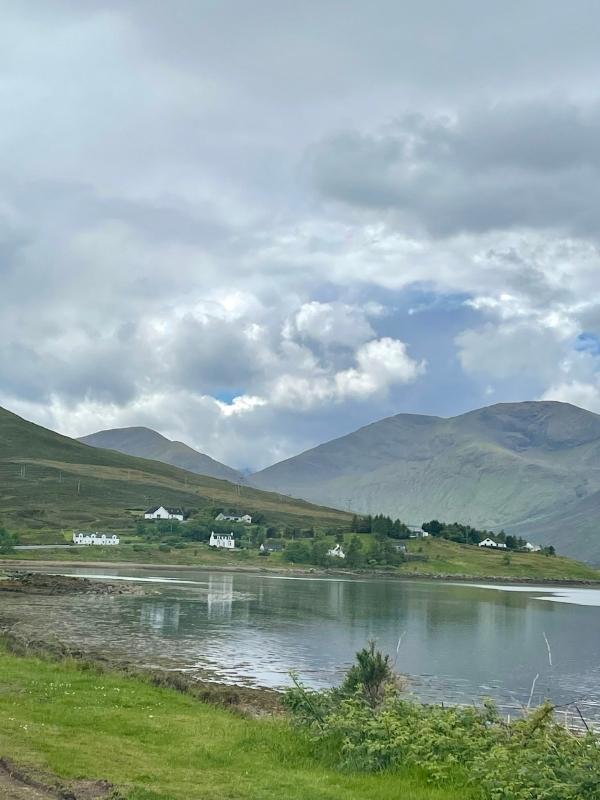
(258, 226)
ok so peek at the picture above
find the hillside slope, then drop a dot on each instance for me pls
(531, 468)
(146, 443)
(48, 481)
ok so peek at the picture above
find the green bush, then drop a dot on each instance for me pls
(7, 541)
(372, 728)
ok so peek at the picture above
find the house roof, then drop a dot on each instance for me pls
(170, 509)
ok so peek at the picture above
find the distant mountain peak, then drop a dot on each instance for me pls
(147, 443)
(532, 467)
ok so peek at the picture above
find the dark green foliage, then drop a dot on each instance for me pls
(355, 556)
(384, 553)
(370, 676)
(373, 728)
(319, 551)
(465, 534)
(7, 541)
(380, 524)
(297, 553)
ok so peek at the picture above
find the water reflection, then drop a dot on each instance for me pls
(160, 616)
(220, 596)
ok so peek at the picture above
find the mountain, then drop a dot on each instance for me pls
(50, 482)
(532, 468)
(146, 443)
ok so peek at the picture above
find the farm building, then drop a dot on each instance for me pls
(164, 512)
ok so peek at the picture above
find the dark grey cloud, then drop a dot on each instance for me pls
(509, 166)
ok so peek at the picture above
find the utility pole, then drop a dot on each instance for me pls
(78, 487)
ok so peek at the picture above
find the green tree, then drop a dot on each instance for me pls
(7, 541)
(371, 673)
(319, 555)
(297, 553)
(355, 556)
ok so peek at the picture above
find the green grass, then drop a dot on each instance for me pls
(450, 558)
(444, 558)
(161, 745)
(49, 482)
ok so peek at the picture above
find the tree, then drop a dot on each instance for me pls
(320, 550)
(297, 553)
(354, 554)
(434, 527)
(7, 541)
(371, 673)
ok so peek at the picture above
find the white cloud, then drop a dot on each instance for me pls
(380, 364)
(585, 395)
(331, 323)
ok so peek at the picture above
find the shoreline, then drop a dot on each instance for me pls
(302, 572)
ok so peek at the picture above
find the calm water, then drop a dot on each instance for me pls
(458, 643)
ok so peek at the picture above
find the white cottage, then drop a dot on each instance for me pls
(164, 512)
(225, 540)
(532, 548)
(88, 538)
(336, 552)
(491, 543)
(245, 518)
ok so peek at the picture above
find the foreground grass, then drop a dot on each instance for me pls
(161, 745)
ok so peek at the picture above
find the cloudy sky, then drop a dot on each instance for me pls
(255, 226)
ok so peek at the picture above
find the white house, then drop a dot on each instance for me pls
(532, 548)
(271, 546)
(86, 537)
(336, 552)
(164, 512)
(417, 533)
(491, 543)
(245, 518)
(222, 540)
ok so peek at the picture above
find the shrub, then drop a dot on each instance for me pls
(372, 727)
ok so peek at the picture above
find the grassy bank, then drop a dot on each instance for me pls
(158, 744)
(436, 558)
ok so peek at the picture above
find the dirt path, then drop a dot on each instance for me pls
(17, 783)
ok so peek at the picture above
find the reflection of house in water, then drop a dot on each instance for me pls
(160, 616)
(220, 596)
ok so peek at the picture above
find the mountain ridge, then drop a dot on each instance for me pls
(526, 467)
(145, 442)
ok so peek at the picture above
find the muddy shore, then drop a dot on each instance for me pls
(41, 583)
(26, 640)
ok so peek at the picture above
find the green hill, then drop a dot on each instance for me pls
(531, 468)
(146, 443)
(50, 482)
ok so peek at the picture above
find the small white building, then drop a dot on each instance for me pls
(491, 543)
(164, 512)
(245, 518)
(532, 548)
(86, 537)
(417, 533)
(336, 552)
(225, 540)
